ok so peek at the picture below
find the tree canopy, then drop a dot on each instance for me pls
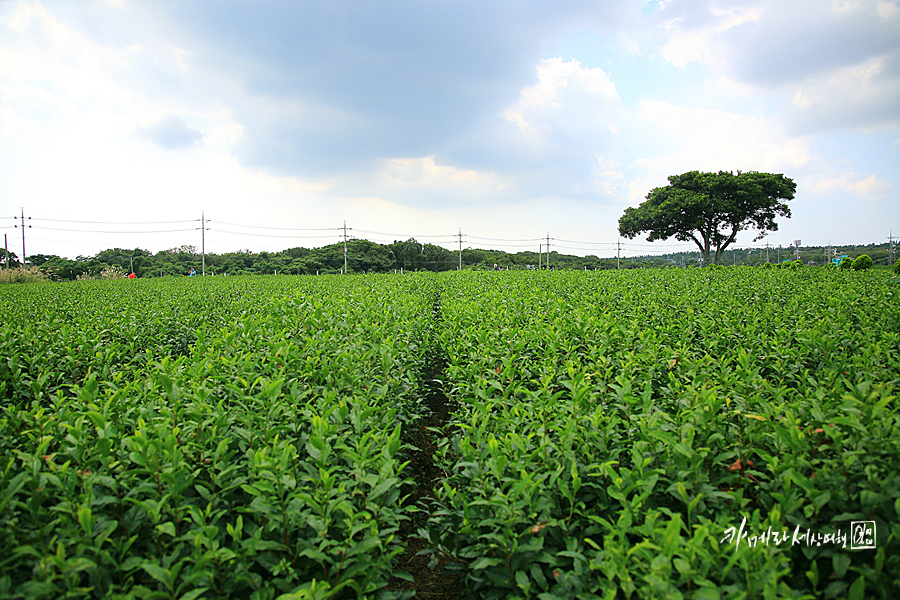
(710, 209)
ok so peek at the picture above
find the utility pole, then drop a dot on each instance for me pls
(345, 247)
(23, 234)
(891, 247)
(618, 247)
(6, 252)
(767, 250)
(797, 248)
(202, 243)
(540, 255)
(460, 248)
(548, 250)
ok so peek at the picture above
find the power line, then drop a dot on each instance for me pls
(116, 232)
(268, 235)
(515, 245)
(475, 237)
(276, 228)
(406, 236)
(116, 222)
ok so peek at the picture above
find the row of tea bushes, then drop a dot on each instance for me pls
(216, 438)
(614, 427)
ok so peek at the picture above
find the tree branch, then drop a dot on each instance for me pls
(735, 228)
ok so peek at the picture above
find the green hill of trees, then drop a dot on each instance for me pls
(364, 256)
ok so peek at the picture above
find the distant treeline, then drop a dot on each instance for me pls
(364, 256)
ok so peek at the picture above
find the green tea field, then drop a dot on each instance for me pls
(679, 433)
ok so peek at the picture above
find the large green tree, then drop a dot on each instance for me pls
(711, 208)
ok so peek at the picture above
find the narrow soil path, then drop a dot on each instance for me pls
(428, 580)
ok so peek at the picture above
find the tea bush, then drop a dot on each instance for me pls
(862, 262)
(614, 426)
(605, 434)
(217, 438)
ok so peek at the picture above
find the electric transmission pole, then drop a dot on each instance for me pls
(23, 234)
(618, 247)
(460, 248)
(548, 250)
(345, 247)
(202, 243)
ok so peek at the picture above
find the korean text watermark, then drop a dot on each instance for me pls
(862, 536)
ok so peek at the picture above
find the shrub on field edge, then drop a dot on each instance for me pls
(797, 264)
(22, 275)
(846, 264)
(862, 262)
(897, 267)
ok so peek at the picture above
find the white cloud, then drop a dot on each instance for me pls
(690, 42)
(556, 128)
(562, 86)
(842, 6)
(41, 52)
(863, 95)
(839, 64)
(226, 134)
(887, 11)
(607, 177)
(171, 131)
(631, 45)
(713, 140)
(801, 99)
(868, 188)
(423, 181)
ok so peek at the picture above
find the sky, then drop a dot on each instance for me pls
(123, 123)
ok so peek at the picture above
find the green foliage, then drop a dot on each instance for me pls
(368, 257)
(219, 438)
(861, 263)
(710, 209)
(896, 267)
(797, 264)
(251, 437)
(602, 418)
(846, 264)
